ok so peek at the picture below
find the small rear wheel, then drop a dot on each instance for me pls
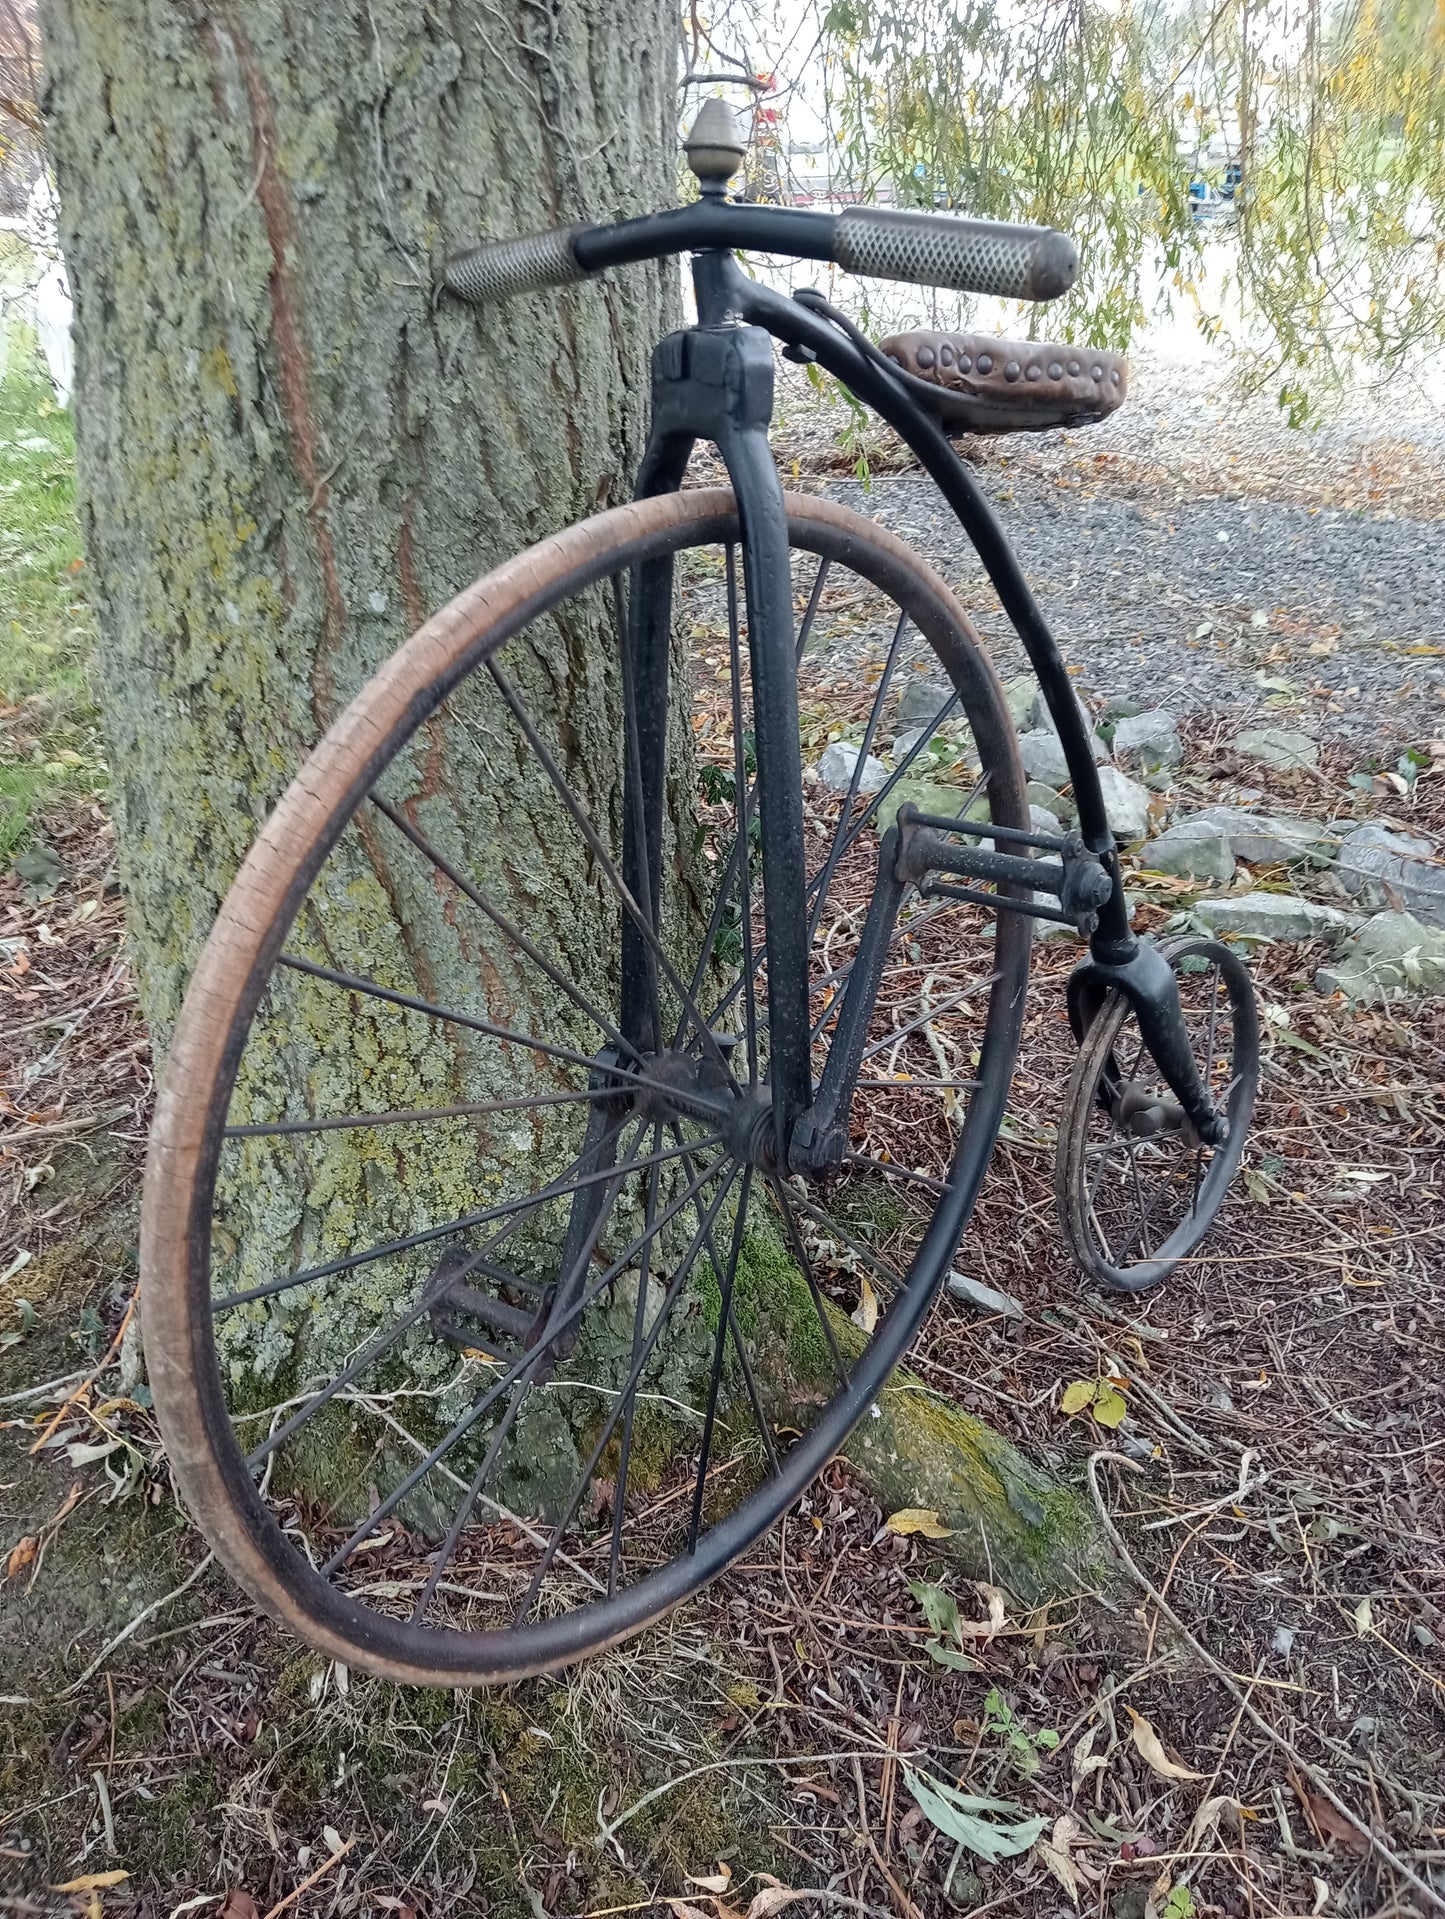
(1137, 1189)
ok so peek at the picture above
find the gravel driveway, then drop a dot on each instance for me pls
(1196, 554)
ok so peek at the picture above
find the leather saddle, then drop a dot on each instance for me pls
(977, 383)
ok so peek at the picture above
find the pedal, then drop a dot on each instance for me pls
(456, 1308)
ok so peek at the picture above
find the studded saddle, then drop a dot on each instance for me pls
(976, 383)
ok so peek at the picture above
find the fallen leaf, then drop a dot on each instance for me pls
(22, 1554)
(92, 1882)
(1110, 1407)
(917, 1519)
(1086, 1760)
(773, 1898)
(718, 1881)
(1055, 1853)
(865, 1314)
(680, 1910)
(1205, 1822)
(238, 1904)
(1328, 1821)
(1148, 1742)
(958, 1815)
(1364, 1617)
(986, 1628)
(1078, 1395)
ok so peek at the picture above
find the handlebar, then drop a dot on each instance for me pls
(928, 249)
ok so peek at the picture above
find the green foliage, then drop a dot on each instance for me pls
(1025, 1750)
(49, 744)
(1094, 117)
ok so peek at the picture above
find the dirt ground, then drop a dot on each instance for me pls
(1247, 1717)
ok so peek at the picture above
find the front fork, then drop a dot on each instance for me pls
(715, 382)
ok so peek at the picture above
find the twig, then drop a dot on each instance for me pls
(1315, 1776)
(320, 1873)
(905, 1904)
(94, 1374)
(607, 1828)
(141, 1617)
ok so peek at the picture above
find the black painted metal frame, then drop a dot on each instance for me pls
(714, 381)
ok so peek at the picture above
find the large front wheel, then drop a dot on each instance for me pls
(483, 1323)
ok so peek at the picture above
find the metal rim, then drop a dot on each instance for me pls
(228, 986)
(1105, 1061)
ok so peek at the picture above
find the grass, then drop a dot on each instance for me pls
(50, 750)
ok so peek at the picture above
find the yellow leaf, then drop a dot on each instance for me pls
(1077, 1396)
(917, 1519)
(718, 1881)
(92, 1882)
(1110, 1407)
(1152, 1750)
(866, 1313)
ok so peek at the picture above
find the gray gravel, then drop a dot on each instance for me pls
(1313, 558)
(1126, 588)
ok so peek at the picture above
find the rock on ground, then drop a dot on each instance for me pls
(836, 764)
(921, 698)
(1196, 849)
(1040, 716)
(1374, 863)
(1278, 747)
(1043, 758)
(1274, 916)
(1148, 742)
(1390, 957)
(1270, 839)
(1126, 805)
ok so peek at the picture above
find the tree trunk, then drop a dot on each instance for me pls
(290, 455)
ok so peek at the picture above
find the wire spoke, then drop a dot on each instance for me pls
(527, 1364)
(604, 860)
(744, 1363)
(1145, 1210)
(503, 924)
(475, 1109)
(365, 1359)
(890, 1275)
(805, 625)
(933, 1012)
(805, 1265)
(892, 1171)
(628, 1389)
(467, 1507)
(354, 983)
(862, 820)
(639, 1321)
(719, 1349)
(825, 878)
(558, 1189)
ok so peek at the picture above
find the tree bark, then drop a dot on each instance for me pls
(289, 452)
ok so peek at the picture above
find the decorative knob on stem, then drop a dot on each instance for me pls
(714, 148)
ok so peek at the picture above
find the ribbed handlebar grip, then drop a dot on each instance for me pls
(499, 268)
(942, 250)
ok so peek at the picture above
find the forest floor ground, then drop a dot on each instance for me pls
(1280, 1476)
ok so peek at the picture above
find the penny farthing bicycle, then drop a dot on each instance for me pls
(512, 1255)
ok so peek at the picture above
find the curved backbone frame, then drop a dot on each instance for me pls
(870, 378)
